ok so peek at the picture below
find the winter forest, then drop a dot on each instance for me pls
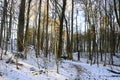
(59, 39)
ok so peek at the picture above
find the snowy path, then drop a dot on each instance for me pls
(86, 72)
(81, 72)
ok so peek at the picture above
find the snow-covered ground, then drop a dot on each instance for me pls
(45, 69)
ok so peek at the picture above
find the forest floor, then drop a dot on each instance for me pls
(44, 69)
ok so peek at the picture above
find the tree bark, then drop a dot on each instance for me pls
(60, 44)
(20, 32)
(27, 31)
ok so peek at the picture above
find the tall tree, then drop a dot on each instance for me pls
(21, 21)
(71, 48)
(3, 28)
(60, 44)
(47, 25)
(27, 32)
(38, 32)
(77, 37)
(11, 17)
(4, 14)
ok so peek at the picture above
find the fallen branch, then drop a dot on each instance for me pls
(113, 71)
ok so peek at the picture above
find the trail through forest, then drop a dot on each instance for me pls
(69, 70)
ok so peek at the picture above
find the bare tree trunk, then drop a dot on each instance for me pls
(77, 39)
(3, 21)
(47, 25)
(60, 45)
(39, 29)
(72, 15)
(20, 32)
(3, 27)
(11, 15)
(43, 33)
(27, 31)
